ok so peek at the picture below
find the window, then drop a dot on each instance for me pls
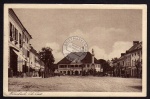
(23, 36)
(76, 65)
(10, 27)
(16, 34)
(72, 65)
(19, 38)
(13, 32)
(27, 53)
(27, 40)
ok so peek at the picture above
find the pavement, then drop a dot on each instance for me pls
(76, 84)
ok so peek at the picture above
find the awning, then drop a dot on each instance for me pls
(20, 55)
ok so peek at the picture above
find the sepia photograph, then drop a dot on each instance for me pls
(75, 50)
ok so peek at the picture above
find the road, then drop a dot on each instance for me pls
(76, 84)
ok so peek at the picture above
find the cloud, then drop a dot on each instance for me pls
(99, 53)
(79, 33)
(106, 42)
(101, 36)
(106, 39)
(117, 48)
(54, 46)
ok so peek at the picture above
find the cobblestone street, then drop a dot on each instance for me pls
(76, 84)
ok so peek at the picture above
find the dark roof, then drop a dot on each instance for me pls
(33, 50)
(132, 49)
(87, 59)
(135, 47)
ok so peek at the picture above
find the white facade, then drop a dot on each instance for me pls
(17, 48)
(77, 67)
(135, 56)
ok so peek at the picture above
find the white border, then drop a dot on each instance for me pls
(79, 6)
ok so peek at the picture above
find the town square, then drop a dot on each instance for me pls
(74, 50)
(75, 84)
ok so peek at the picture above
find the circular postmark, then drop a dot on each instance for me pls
(75, 48)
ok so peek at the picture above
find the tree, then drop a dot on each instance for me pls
(114, 59)
(137, 65)
(105, 65)
(47, 57)
(115, 67)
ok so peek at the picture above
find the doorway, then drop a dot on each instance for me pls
(68, 73)
(13, 62)
(76, 73)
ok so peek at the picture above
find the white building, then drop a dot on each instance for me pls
(77, 67)
(19, 40)
(136, 56)
(128, 61)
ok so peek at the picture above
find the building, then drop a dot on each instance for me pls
(19, 46)
(130, 62)
(77, 67)
(35, 63)
(136, 59)
(33, 54)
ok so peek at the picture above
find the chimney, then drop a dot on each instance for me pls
(126, 51)
(122, 54)
(135, 42)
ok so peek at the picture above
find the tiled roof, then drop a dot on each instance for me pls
(87, 59)
(135, 47)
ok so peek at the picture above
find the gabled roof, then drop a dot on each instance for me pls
(132, 49)
(135, 47)
(86, 59)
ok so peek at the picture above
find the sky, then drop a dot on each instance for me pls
(109, 32)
